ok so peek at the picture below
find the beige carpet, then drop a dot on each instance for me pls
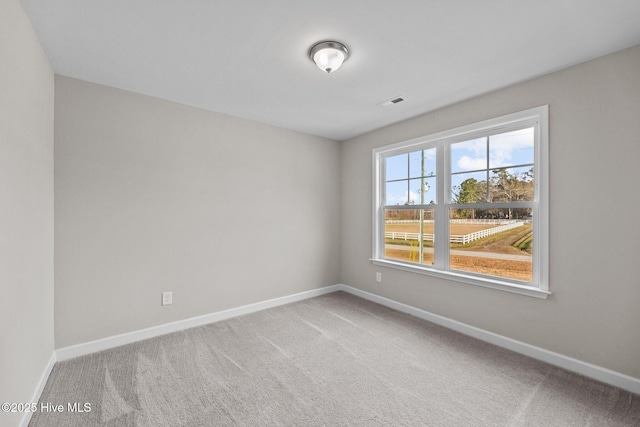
(334, 360)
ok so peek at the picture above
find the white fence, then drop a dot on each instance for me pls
(456, 221)
(406, 221)
(397, 235)
(454, 238)
(484, 221)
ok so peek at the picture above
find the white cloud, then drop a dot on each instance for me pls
(413, 197)
(467, 163)
(505, 149)
(503, 146)
(477, 146)
(401, 200)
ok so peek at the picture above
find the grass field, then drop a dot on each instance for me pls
(516, 241)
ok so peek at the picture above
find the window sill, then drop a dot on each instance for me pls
(471, 280)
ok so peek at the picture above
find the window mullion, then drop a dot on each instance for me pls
(488, 198)
(441, 225)
(379, 198)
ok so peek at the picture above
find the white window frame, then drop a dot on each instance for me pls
(536, 117)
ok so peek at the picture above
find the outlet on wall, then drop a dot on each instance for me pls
(379, 277)
(167, 298)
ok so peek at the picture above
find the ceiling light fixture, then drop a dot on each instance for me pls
(328, 55)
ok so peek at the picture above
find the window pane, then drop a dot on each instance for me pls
(397, 194)
(424, 190)
(511, 184)
(403, 232)
(495, 242)
(469, 155)
(511, 148)
(469, 187)
(422, 163)
(397, 167)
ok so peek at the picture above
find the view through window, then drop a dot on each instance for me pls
(466, 203)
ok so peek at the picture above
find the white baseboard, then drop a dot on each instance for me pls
(608, 376)
(83, 349)
(604, 375)
(26, 418)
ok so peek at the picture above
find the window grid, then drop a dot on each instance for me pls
(445, 201)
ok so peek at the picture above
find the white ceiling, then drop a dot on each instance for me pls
(248, 58)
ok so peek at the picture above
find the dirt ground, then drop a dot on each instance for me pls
(519, 270)
(456, 229)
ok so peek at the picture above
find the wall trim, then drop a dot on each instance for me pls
(26, 417)
(83, 349)
(599, 373)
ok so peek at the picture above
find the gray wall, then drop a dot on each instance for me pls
(155, 196)
(593, 314)
(26, 210)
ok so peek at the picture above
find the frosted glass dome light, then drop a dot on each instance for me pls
(329, 55)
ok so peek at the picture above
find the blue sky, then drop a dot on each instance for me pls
(469, 159)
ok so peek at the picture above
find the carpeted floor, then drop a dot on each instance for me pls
(334, 360)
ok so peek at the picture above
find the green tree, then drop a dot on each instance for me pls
(469, 191)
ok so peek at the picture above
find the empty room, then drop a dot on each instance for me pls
(341, 213)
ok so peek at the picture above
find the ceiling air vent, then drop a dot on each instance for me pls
(392, 101)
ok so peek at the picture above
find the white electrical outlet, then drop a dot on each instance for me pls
(379, 277)
(167, 298)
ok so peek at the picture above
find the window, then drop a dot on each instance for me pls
(469, 204)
